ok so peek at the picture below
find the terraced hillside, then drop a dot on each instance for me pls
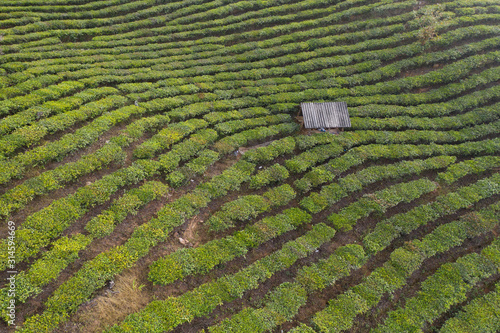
(153, 177)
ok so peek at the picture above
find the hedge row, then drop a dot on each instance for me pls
(159, 316)
(156, 75)
(219, 117)
(30, 135)
(466, 51)
(347, 76)
(293, 64)
(96, 272)
(22, 118)
(387, 144)
(82, 137)
(29, 283)
(39, 96)
(76, 29)
(276, 173)
(209, 49)
(445, 288)
(41, 227)
(248, 207)
(87, 53)
(403, 262)
(187, 149)
(330, 194)
(379, 202)
(199, 109)
(230, 67)
(304, 161)
(359, 155)
(438, 94)
(103, 224)
(388, 230)
(481, 314)
(270, 152)
(168, 136)
(138, 20)
(37, 5)
(326, 21)
(50, 180)
(196, 166)
(233, 126)
(165, 34)
(475, 117)
(468, 167)
(202, 259)
(116, 15)
(233, 142)
(387, 54)
(302, 328)
(458, 105)
(307, 159)
(283, 302)
(65, 250)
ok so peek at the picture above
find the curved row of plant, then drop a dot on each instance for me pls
(86, 281)
(281, 306)
(161, 316)
(94, 273)
(164, 35)
(438, 292)
(50, 180)
(231, 58)
(65, 250)
(341, 311)
(100, 226)
(480, 314)
(202, 259)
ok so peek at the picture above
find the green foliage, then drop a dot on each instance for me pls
(203, 299)
(242, 209)
(233, 142)
(185, 63)
(280, 195)
(474, 166)
(30, 282)
(274, 149)
(391, 228)
(168, 136)
(339, 313)
(273, 174)
(200, 164)
(403, 262)
(327, 271)
(330, 194)
(446, 287)
(204, 258)
(104, 224)
(481, 314)
(303, 328)
(282, 304)
(69, 143)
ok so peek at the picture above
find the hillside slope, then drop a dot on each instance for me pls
(153, 176)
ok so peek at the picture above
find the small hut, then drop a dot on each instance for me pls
(328, 116)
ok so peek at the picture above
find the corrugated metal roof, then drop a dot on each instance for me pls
(325, 115)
